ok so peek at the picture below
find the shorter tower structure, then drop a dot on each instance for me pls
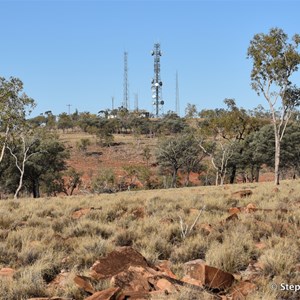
(125, 83)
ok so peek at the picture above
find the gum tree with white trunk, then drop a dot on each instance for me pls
(275, 59)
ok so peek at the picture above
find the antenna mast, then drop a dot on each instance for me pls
(112, 102)
(69, 108)
(156, 81)
(136, 102)
(126, 85)
(177, 96)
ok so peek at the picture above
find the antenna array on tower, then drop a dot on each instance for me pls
(156, 81)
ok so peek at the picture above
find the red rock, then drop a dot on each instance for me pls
(234, 210)
(117, 261)
(207, 228)
(133, 279)
(165, 267)
(165, 285)
(84, 283)
(52, 298)
(132, 295)
(232, 217)
(80, 212)
(209, 276)
(260, 245)
(139, 213)
(7, 272)
(241, 194)
(189, 280)
(39, 298)
(251, 208)
(61, 279)
(108, 294)
(241, 290)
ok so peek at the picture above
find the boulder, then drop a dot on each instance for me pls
(210, 277)
(83, 282)
(166, 286)
(192, 281)
(133, 279)
(108, 294)
(132, 295)
(164, 266)
(116, 262)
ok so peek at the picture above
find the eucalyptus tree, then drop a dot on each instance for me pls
(20, 147)
(180, 152)
(275, 59)
(221, 132)
(15, 105)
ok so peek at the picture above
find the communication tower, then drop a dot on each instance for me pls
(156, 82)
(136, 102)
(125, 84)
(177, 96)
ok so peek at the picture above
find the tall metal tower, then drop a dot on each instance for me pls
(112, 103)
(126, 84)
(177, 96)
(156, 81)
(136, 102)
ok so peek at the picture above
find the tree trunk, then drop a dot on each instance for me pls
(232, 175)
(174, 177)
(277, 158)
(222, 177)
(187, 179)
(4, 144)
(217, 178)
(257, 169)
(20, 185)
(252, 174)
(36, 188)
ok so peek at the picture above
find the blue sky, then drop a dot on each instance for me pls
(71, 52)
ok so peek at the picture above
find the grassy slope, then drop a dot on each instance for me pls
(39, 237)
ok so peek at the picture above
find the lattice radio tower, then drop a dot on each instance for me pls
(177, 96)
(156, 81)
(126, 84)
